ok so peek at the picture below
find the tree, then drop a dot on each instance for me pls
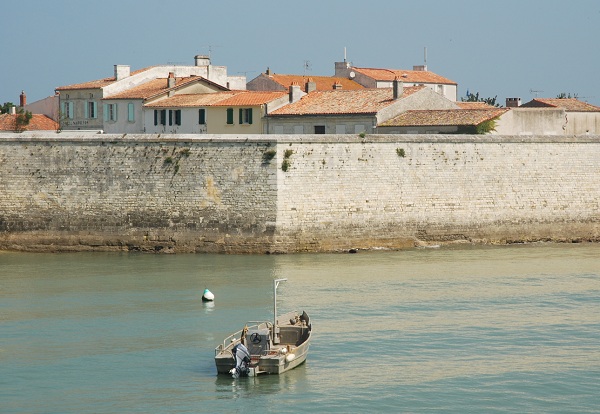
(22, 119)
(5, 108)
(475, 98)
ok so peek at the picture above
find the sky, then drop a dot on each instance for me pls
(513, 48)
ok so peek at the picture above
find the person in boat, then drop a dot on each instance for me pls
(241, 357)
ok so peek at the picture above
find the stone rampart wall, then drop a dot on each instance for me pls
(203, 193)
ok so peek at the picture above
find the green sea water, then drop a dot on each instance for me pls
(454, 330)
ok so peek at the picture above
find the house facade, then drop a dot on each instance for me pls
(223, 112)
(81, 106)
(383, 78)
(577, 117)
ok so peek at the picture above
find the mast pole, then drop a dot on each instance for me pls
(275, 284)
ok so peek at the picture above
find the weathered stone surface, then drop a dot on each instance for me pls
(203, 193)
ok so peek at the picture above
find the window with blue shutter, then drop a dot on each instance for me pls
(130, 112)
(202, 116)
(106, 112)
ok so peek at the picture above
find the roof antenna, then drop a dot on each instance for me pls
(307, 66)
(534, 92)
(344, 54)
(425, 55)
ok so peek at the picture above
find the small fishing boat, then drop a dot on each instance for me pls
(266, 347)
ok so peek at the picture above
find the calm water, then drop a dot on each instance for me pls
(481, 330)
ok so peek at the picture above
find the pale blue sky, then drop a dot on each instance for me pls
(510, 48)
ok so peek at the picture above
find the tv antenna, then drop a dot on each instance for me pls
(210, 49)
(307, 66)
(534, 92)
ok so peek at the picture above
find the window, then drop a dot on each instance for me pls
(319, 129)
(68, 110)
(340, 129)
(155, 117)
(359, 128)
(298, 129)
(130, 112)
(91, 110)
(202, 116)
(245, 116)
(178, 117)
(230, 116)
(163, 117)
(112, 112)
(170, 117)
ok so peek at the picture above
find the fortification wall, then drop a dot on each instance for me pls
(202, 193)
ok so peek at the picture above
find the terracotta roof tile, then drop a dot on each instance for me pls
(568, 104)
(361, 101)
(226, 98)
(37, 122)
(445, 117)
(251, 98)
(322, 83)
(474, 105)
(411, 76)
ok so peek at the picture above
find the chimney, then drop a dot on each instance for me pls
(398, 88)
(513, 102)
(121, 71)
(171, 80)
(268, 72)
(337, 85)
(310, 86)
(295, 92)
(12, 110)
(23, 99)
(202, 60)
(420, 68)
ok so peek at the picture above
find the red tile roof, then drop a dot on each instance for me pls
(251, 98)
(474, 105)
(568, 104)
(337, 102)
(226, 98)
(37, 122)
(410, 76)
(322, 83)
(448, 117)
(99, 83)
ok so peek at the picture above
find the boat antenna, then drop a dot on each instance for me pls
(275, 284)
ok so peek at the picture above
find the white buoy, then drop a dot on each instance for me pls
(207, 296)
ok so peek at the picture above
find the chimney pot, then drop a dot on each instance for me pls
(202, 60)
(171, 80)
(398, 88)
(310, 86)
(122, 71)
(513, 102)
(337, 85)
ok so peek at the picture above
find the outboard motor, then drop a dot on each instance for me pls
(242, 361)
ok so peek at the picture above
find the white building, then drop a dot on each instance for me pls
(81, 105)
